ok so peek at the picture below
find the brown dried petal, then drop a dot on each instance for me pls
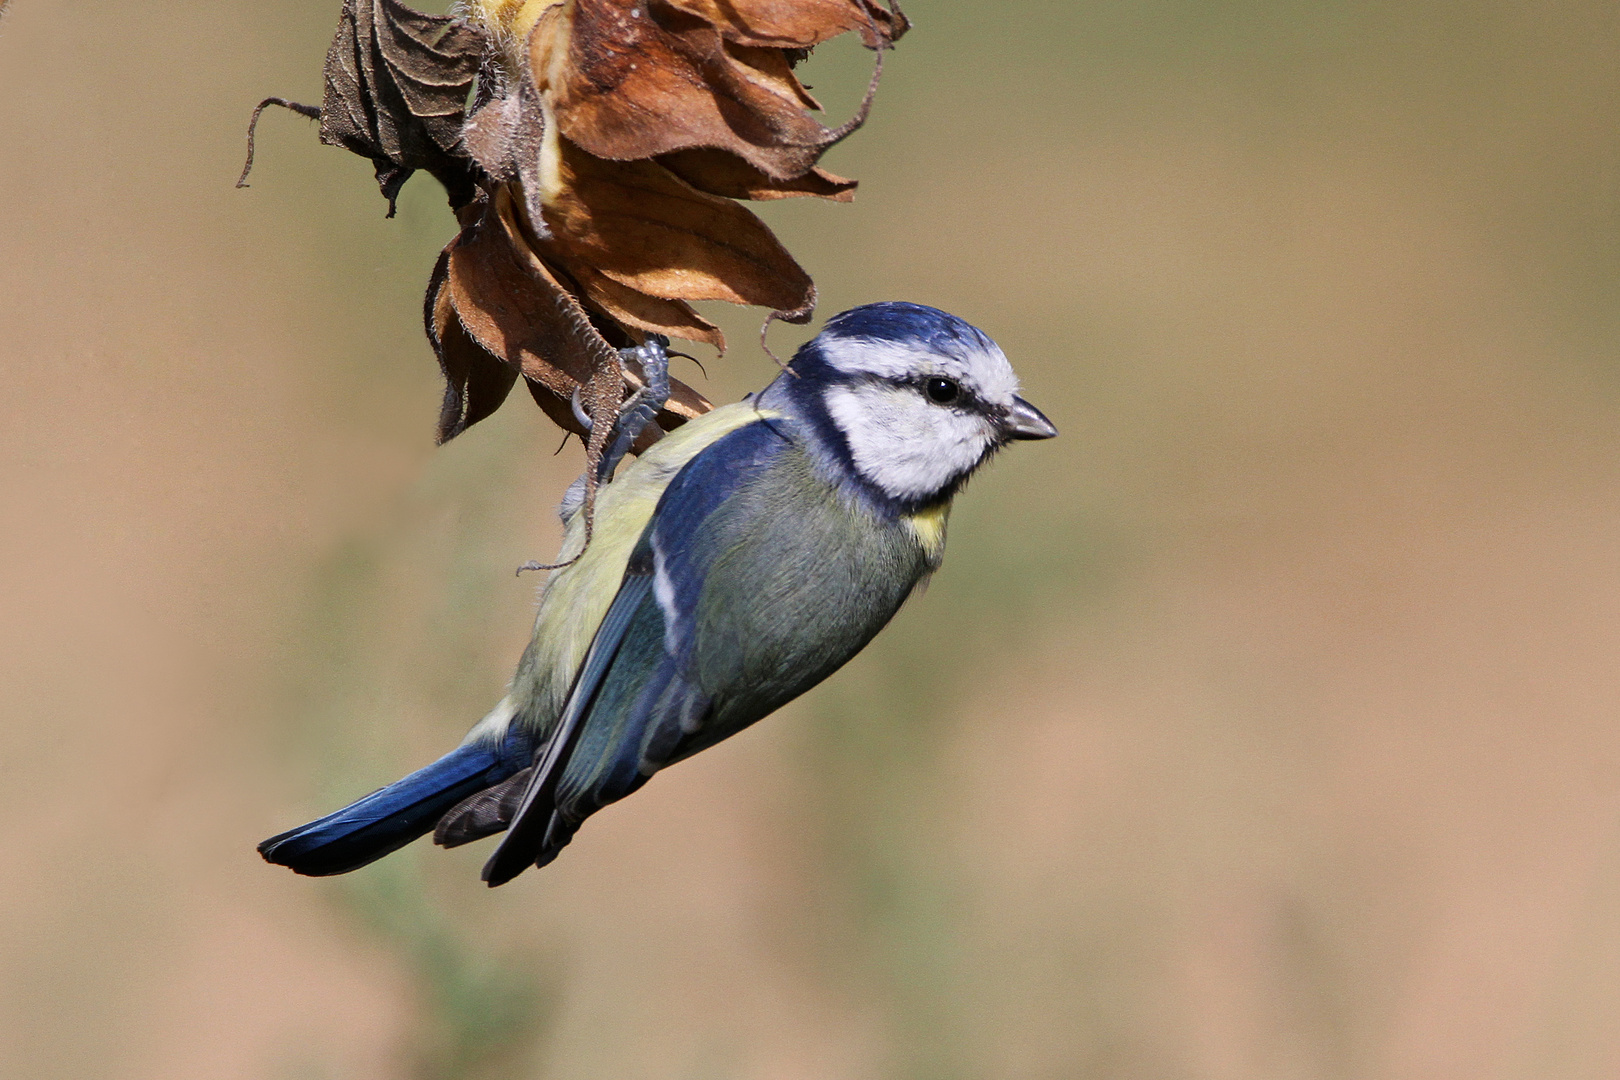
(496, 137)
(729, 176)
(431, 60)
(475, 381)
(514, 308)
(642, 226)
(665, 80)
(495, 292)
(628, 307)
(798, 24)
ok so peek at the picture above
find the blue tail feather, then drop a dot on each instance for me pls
(388, 819)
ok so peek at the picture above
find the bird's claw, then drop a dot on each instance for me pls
(637, 411)
(639, 408)
(580, 414)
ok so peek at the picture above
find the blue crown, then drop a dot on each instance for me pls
(896, 320)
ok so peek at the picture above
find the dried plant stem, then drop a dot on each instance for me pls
(313, 112)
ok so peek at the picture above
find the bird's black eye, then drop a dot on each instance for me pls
(942, 391)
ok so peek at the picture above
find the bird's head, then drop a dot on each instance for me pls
(909, 399)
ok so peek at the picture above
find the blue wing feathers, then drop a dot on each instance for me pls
(629, 681)
(525, 843)
(682, 529)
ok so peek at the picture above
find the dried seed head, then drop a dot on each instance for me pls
(596, 174)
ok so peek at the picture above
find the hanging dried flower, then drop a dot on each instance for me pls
(595, 175)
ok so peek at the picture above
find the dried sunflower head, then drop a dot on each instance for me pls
(596, 174)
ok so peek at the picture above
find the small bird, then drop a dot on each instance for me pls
(741, 560)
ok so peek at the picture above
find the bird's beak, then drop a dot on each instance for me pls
(1024, 421)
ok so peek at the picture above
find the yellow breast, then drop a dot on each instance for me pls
(928, 526)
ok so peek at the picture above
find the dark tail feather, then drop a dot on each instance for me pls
(483, 813)
(387, 820)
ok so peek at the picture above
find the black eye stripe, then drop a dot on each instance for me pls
(966, 400)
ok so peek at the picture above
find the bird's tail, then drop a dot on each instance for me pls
(388, 819)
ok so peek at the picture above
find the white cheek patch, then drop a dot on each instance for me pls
(985, 371)
(908, 447)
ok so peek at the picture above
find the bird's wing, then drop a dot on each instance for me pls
(526, 839)
(630, 675)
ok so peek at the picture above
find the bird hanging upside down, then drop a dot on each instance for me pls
(737, 563)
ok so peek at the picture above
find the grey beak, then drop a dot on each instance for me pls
(1024, 421)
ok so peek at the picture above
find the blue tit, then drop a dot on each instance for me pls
(741, 560)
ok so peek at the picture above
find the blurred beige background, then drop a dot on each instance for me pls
(1265, 725)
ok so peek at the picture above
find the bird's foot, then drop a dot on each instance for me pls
(638, 410)
(651, 369)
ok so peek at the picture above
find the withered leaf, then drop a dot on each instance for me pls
(799, 24)
(512, 305)
(629, 307)
(498, 136)
(728, 176)
(640, 225)
(505, 135)
(638, 78)
(509, 305)
(397, 83)
(476, 382)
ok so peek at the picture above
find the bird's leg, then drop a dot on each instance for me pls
(635, 414)
(640, 407)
